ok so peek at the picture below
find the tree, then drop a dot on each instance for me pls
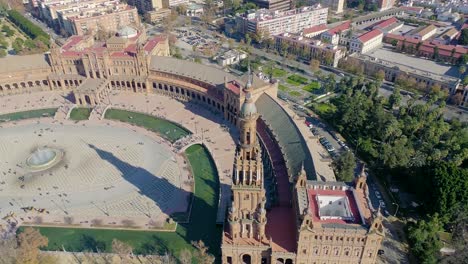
(314, 65)
(185, 256)
(3, 53)
(457, 98)
(395, 98)
(344, 167)
(202, 254)
(424, 240)
(463, 40)
(29, 242)
(465, 80)
(380, 75)
(462, 70)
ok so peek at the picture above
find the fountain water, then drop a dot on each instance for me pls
(44, 158)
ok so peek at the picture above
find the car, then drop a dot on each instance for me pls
(341, 74)
(381, 252)
(330, 148)
(308, 124)
(377, 194)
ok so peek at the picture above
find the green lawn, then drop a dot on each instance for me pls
(168, 130)
(283, 88)
(80, 113)
(295, 93)
(311, 87)
(28, 114)
(202, 222)
(324, 108)
(296, 80)
(277, 73)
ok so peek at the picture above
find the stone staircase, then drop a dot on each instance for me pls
(98, 112)
(63, 112)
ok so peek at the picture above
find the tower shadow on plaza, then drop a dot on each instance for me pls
(202, 222)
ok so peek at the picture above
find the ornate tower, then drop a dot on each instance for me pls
(247, 215)
(142, 60)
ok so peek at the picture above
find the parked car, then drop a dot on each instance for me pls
(308, 124)
(381, 252)
(330, 148)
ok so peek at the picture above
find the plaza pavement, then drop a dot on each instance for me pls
(110, 171)
(219, 139)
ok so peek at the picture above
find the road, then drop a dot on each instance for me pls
(43, 26)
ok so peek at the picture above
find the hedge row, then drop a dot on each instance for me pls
(32, 30)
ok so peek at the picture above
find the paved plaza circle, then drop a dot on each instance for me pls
(103, 171)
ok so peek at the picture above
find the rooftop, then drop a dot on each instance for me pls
(370, 35)
(386, 23)
(265, 14)
(290, 140)
(417, 65)
(342, 27)
(333, 206)
(314, 29)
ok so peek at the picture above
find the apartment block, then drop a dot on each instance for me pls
(274, 5)
(278, 22)
(86, 17)
(306, 49)
(144, 6)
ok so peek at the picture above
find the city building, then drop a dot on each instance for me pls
(413, 10)
(385, 4)
(194, 10)
(427, 49)
(274, 5)
(388, 26)
(446, 37)
(329, 222)
(338, 34)
(366, 42)
(306, 49)
(422, 33)
(336, 6)
(144, 6)
(231, 57)
(394, 70)
(277, 22)
(87, 17)
(157, 15)
(172, 3)
(314, 31)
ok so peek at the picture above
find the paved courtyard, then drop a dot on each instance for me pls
(107, 172)
(99, 153)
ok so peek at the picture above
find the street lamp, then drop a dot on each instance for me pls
(396, 211)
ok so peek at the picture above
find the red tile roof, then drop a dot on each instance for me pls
(413, 8)
(234, 87)
(386, 23)
(370, 35)
(342, 27)
(314, 29)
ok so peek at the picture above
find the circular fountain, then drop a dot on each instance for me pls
(44, 158)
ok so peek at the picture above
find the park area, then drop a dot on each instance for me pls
(202, 225)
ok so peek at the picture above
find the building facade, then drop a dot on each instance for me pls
(276, 22)
(306, 49)
(336, 6)
(366, 42)
(274, 5)
(87, 17)
(144, 6)
(385, 4)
